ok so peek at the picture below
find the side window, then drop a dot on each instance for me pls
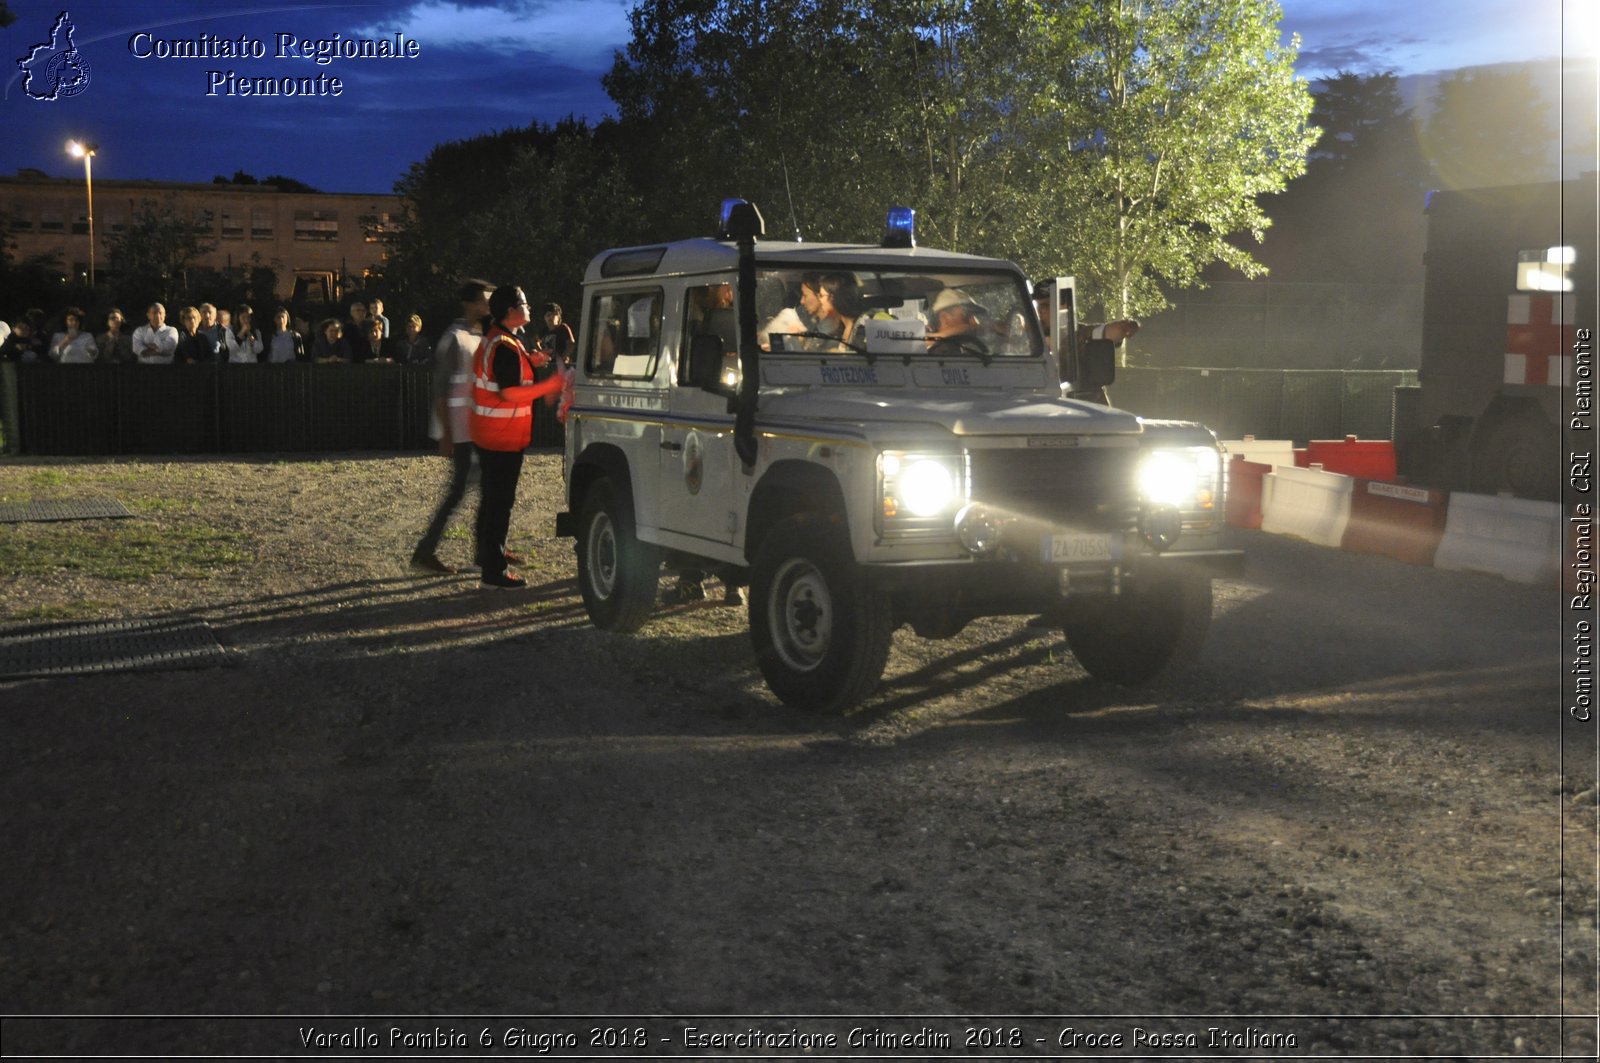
(708, 311)
(627, 335)
(1545, 269)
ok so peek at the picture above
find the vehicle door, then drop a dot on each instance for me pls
(697, 456)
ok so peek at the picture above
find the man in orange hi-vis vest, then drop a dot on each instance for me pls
(503, 395)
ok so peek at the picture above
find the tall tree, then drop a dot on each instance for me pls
(151, 255)
(527, 206)
(1490, 126)
(1122, 141)
(1195, 112)
(1356, 215)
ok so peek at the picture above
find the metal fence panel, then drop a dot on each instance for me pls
(1312, 404)
(68, 409)
(357, 407)
(163, 409)
(111, 409)
(265, 408)
(1369, 404)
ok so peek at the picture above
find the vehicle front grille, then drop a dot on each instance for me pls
(1092, 488)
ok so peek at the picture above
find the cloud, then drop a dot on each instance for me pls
(582, 34)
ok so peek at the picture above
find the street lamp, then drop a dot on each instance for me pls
(79, 149)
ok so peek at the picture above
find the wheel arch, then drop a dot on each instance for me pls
(600, 461)
(1506, 408)
(789, 488)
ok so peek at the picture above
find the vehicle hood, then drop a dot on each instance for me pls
(972, 413)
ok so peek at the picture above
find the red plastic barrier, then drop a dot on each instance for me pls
(1371, 459)
(1396, 520)
(1302, 458)
(1244, 492)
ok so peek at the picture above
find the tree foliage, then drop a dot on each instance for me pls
(1489, 127)
(1194, 112)
(526, 206)
(156, 249)
(1121, 141)
(1356, 215)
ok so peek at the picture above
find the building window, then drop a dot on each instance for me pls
(260, 224)
(80, 225)
(232, 225)
(319, 225)
(52, 223)
(115, 223)
(383, 228)
(21, 224)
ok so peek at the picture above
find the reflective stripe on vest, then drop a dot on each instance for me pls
(498, 424)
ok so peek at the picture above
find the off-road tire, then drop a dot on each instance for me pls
(1152, 631)
(617, 574)
(821, 632)
(1520, 455)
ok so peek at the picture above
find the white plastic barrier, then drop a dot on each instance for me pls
(1265, 451)
(1510, 537)
(1310, 503)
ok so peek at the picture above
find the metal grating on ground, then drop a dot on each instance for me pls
(67, 509)
(126, 646)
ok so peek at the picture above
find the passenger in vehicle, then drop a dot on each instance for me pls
(829, 307)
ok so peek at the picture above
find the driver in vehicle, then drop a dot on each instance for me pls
(955, 317)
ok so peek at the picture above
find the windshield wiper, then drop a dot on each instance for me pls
(831, 338)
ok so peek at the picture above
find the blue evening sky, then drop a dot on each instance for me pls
(492, 64)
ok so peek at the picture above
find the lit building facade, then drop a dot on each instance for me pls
(317, 242)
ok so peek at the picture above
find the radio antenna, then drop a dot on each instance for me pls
(784, 161)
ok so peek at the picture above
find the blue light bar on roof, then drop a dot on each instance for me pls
(900, 228)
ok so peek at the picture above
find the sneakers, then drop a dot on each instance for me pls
(431, 563)
(506, 579)
(511, 559)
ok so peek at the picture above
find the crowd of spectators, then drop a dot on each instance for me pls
(209, 334)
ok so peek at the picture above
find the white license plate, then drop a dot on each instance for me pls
(1082, 547)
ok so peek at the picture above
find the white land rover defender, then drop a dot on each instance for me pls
(873, 467)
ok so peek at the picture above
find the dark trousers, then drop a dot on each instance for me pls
(497, 493)
(461, 468)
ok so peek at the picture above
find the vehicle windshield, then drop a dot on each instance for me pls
(889, 313)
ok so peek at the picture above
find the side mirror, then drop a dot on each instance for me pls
(1097, 366)
(705, 364)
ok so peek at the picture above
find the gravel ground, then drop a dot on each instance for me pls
(1359, 822)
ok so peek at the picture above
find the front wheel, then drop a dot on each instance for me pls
(617, 574)
(1150, 631)
(821, 632)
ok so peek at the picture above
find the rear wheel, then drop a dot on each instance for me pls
(1520, 455)
(821, 632)
(617, 574)
(1149, 632)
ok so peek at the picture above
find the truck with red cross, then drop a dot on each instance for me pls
(1508, 295)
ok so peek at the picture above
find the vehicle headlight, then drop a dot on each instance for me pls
(1185, 478)
(920, 492)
